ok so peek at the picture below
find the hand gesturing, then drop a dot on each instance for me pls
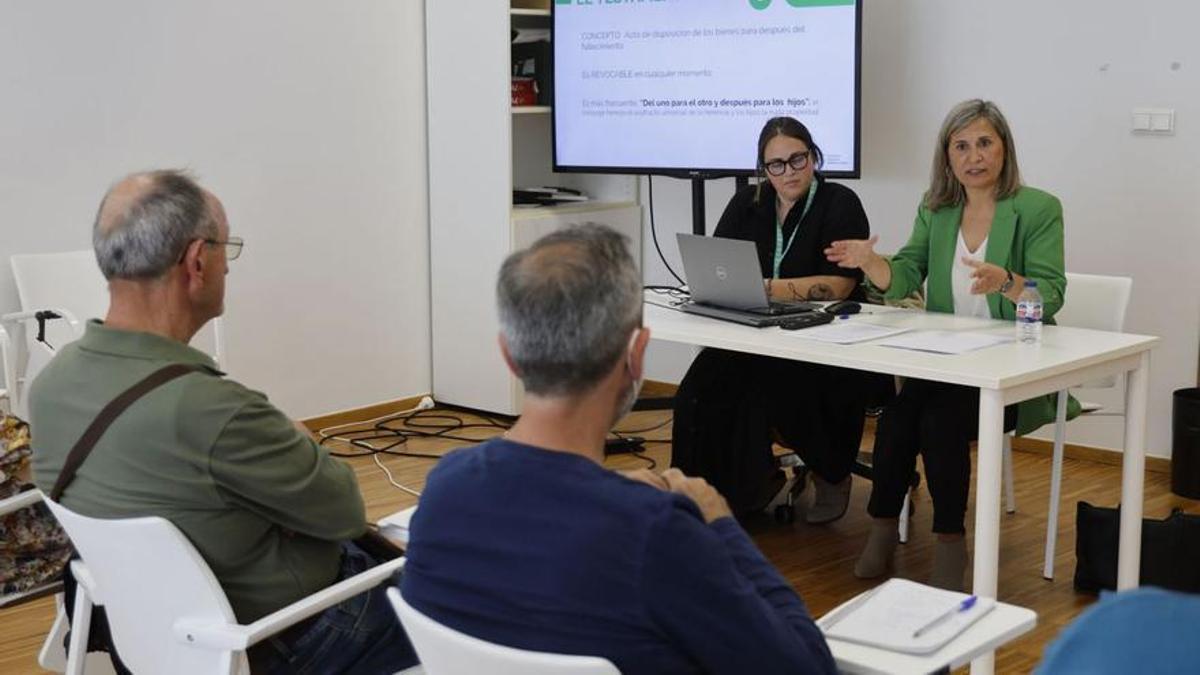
(988, 277)
(852, 253)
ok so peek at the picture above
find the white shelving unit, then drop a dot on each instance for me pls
(480, 148)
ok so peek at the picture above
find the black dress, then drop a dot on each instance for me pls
(732, 405)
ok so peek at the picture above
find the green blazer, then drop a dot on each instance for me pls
(1026, 237)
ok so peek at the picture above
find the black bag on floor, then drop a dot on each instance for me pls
(1170, 550)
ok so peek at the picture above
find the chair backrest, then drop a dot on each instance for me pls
(445, 651)
(1098, 302)
(148, 575)
(7, 354)
(71, 281)
(1095, 301)
(22, 362)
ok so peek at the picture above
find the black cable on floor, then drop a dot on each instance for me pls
(418, 424)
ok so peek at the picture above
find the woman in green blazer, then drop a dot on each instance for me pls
(978, 236)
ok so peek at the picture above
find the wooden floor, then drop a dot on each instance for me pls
(817, 560)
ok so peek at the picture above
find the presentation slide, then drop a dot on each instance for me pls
(671, 86)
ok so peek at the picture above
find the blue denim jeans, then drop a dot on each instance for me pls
(361, 635)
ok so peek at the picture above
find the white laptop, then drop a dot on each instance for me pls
(726, 282)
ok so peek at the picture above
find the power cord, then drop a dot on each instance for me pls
(654, 232)
(391, 479)
(424, 404)
(417, 422)
(398, 437)
(625, 435)
(424, 421)
(358, 440)
(618, 432)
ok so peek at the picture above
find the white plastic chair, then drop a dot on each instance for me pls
(445, 651)
(1100, 303)
(22, 359)
(166, 611)
(7, 368)
(69, 284)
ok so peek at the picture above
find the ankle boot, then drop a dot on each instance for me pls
(830, 502)
(878, 557)
(949, 564)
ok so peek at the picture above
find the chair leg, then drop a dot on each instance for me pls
(52, 656)
(81, 624)
(904, 511)
(1060, 426)
(1010, 498)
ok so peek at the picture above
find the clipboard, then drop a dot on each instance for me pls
(887, 616)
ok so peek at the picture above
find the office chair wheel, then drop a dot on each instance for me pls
(785, 514)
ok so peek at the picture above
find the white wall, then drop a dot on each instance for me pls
(1067, 75)
(306, 118)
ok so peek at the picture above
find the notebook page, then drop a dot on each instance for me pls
(889, 617)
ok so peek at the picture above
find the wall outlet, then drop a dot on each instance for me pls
(1157, 121)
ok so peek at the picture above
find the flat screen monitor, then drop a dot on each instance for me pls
(683, 87)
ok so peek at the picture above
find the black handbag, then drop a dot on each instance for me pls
(1170, 550)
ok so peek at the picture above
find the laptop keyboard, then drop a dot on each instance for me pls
(783, 308)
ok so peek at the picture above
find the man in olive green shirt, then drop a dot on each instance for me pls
(268, 508)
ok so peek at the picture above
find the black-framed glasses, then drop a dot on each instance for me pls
(233, 246)
(797, 161)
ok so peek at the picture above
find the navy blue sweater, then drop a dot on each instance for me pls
(549, 551)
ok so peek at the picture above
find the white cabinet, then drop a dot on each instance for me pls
(480, 147)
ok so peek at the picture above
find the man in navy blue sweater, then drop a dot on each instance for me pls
(528, 541)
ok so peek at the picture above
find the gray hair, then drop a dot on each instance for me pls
(568, 305)
(145, 237)
(944, 188)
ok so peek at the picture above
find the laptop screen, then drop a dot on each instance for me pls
(722, 272)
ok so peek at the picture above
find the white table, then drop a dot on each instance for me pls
(999, 626)
(1003, 374)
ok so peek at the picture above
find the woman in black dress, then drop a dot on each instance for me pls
(731, 406)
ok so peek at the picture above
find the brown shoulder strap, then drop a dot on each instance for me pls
(83, 447)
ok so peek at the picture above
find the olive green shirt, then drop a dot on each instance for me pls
(264, 505)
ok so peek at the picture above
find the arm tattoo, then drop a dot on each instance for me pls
(819, 292)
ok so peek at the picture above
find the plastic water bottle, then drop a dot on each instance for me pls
(1029, 314)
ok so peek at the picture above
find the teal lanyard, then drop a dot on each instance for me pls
(780, 249)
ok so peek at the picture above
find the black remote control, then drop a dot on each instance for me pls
(807, 320)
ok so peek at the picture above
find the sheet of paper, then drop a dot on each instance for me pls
(848, 332)
(896, 609)
(945, 342)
